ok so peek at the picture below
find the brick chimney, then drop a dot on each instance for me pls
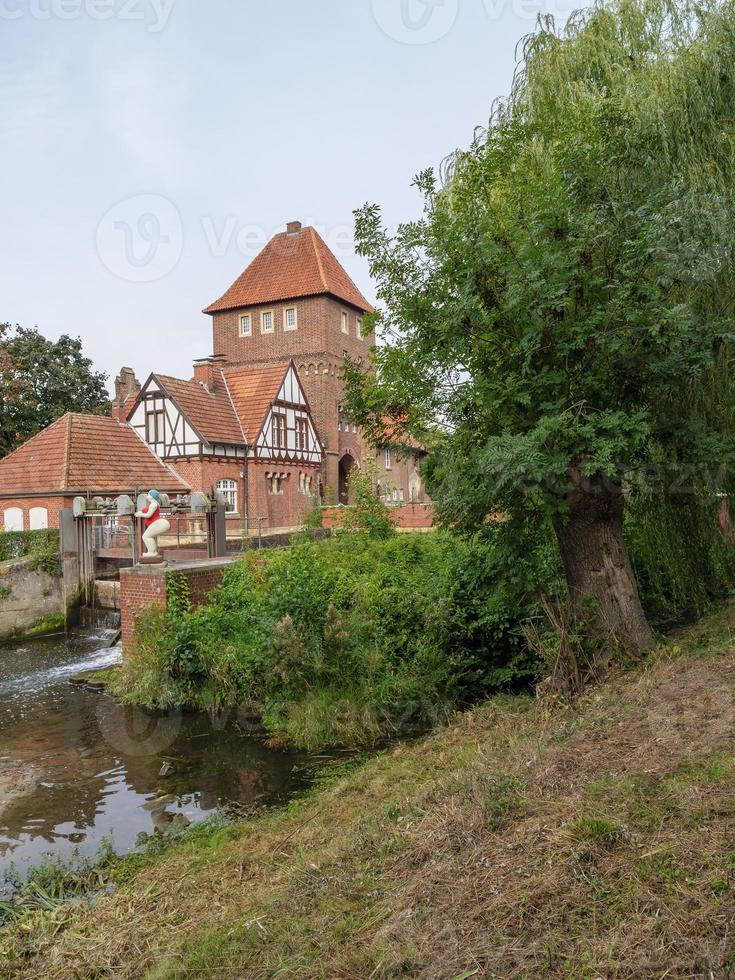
(293, 227)
(126, 384)
(207, 370)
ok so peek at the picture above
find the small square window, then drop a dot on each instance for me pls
(291, 320)
(266, 322)
(246, 326)
(345, 324)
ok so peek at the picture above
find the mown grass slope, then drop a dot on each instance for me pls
(529, 838)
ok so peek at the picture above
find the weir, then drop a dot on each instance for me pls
(100, 537)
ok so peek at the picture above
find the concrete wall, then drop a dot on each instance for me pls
(31, 602)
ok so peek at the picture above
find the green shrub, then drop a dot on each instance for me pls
(345, 641)
(367, 512)
(681, 559)
(21, 544)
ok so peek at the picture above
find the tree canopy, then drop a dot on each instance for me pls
(41, 380)
(565, 303)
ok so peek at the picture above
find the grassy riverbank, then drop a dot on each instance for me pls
(528, 838)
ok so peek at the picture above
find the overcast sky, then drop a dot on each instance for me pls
(151, 147)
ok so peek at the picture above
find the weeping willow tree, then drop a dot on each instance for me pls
(564, 304)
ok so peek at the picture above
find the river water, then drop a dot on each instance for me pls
(76, 767)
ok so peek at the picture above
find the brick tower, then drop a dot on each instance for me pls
(295, 301)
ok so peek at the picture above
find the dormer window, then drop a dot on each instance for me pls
(290, 319)
(345, 323)
(246, 325)
(266, 322)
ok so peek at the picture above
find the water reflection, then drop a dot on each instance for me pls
(93, 767)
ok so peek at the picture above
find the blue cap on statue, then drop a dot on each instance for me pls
(155, 494)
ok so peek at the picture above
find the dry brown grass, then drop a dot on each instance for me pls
(528, 839)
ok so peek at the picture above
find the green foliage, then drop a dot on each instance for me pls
(314, 518)
(564, 306)
(43, 546)
(345, 641)
(681, 559)
(367, 512)
(41, 380)
(57, 882)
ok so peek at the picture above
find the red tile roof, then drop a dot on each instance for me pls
(253, 389)
(81, 453)
(210, 412)
(291, 266)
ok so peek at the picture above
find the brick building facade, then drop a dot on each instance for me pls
(295, 301)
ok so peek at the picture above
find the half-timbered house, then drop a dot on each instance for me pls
(245, 431)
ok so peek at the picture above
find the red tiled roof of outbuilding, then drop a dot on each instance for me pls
(292, 265)
(85, 453)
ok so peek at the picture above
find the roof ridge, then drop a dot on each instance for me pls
(232, 403)
(67, 456)
(319, 264)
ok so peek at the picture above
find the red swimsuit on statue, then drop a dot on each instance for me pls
(153, 516)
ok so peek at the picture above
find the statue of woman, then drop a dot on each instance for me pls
(155, 525)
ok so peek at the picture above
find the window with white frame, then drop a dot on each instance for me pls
(345, 323)
(275, 481)
(38, 517)
(266, 322)
(278, 430)
(301, 433)
(387, 459)
(246, 325)
(228, 489)
(359, 329)
(13, 519)
(291, 319)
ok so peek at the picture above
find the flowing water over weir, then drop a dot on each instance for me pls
(76, 767)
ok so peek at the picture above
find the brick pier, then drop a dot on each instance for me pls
(146, 585)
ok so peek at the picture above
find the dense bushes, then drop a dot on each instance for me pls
(345, 641)
(681, 559)
(348, 640)
(20, 544)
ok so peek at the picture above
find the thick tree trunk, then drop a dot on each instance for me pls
(602, 586)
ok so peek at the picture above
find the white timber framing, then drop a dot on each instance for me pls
(161, 423)
(288, 433)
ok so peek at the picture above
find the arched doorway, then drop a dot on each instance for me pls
(345, 468)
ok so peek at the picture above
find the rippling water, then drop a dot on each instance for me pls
(91, 767)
